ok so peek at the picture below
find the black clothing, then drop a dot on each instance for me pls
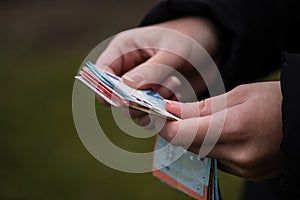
(250, 29)
(255, 35)
(262, 190)
(290, 110)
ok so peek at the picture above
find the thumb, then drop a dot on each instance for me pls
(154, 71)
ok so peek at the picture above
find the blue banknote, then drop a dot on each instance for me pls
(182, 166)
(185, 167)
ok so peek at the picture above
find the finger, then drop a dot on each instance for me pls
(154, 70)
(220, 128)
(189, 135)
(167, 89)
(192, 84)
(149, 121)
(183, 110)
(116, 62)
(186, 132)
(112, 54)
(123, 52)
(136, 114)
(144, 121)
(202, 108)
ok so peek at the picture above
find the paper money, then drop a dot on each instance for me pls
(187, 168)
(177, 167)
(114, 91)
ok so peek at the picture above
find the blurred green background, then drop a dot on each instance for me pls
(42, 44)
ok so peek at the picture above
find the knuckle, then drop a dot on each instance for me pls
(201, 104)
(122, 40)
(246, 168)
(235, 90)
(238, 91)
(245, 159)
(204, 106)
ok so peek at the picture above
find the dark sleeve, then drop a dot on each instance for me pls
(249, 29)
(290, 144)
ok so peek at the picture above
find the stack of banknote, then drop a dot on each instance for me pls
(174, 165)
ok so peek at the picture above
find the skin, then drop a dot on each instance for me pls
(137, 66)
(249, 145)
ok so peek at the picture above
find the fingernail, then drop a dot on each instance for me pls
(171, 103)
(168, 101)
(134, 77)
(176, 81)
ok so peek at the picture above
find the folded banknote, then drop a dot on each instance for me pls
(174, 165)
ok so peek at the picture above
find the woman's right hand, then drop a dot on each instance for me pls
(140, 67)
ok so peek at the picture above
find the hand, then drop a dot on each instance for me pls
(249, 144)
(143, 67)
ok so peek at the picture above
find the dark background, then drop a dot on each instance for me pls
(42, 45)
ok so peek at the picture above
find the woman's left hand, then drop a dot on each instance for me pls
(249, 144)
